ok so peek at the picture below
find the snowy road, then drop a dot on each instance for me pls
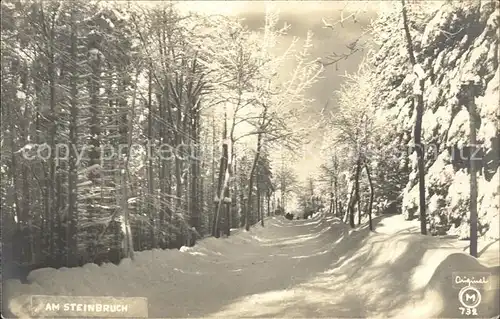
(305, 268)
(250, 270)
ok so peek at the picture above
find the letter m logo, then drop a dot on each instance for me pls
(470, 297)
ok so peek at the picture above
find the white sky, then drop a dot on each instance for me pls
(236, 7)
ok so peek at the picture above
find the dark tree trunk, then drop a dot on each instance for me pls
(227, 192)
(350, 208)
(72, 173)
(13, 174)
(356, 183)
(227, 208)
(195, 210)
(259, 206)
(162, 169)
(473, 125)
(219, 201)
(151, 194)
(331, 208)
(356, 187)
(60, 232)
(370, 204)
(268, 197)
(94, 84)
(418, 102)
(251, 181)
(213, 193)
(221, 187)
(335, 189)
(52, 139)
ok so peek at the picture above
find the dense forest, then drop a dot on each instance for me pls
(128, 127)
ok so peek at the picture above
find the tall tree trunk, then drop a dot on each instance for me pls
(49, 174)
(60, 233)
(219, 200)
(418, 102)
(358, 204)
(128, 244)
(473, 125)
(52, 137)
(202, 199)
(178, 177)
(221, 184)
(242, 209)
(213, 194)
(350, 208)
(150, 177)
(178, 124)
(29, 244)
(126, 135)
(356, 191)
(195, 210)
(227, 202)
(59, 200)
(40, 243)
(162, 171)
(94, 141)
(72, 249)
(338, 204)
(259, 208)
(268, 198)
(331, 209)
(13, 176)
(165, 171)
(283, 186)
(251, 179)
(336, 196)
(370, 204)
(235, 200)
(228, 198)
(335, 187)
(358, 199)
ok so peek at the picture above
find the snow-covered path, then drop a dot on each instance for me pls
(304, 268)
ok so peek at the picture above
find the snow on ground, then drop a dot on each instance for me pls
(300, 268)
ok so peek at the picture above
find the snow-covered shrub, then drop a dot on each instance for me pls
(453, 41)
(438, 220)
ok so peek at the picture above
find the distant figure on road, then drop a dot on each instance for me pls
(289, 216)
(279, 211)
(308, 213)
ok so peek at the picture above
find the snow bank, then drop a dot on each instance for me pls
(314, 268)
(394, 272)
(453, 42)
(163, 275)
